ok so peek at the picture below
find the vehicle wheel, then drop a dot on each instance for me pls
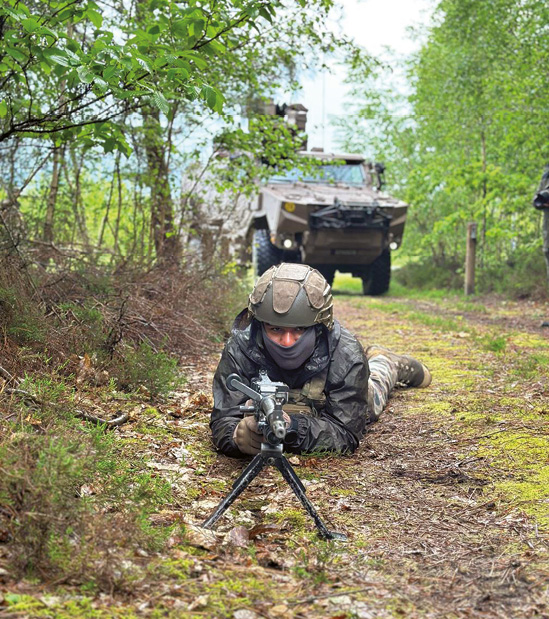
(378, 278)
(329, 275)
(266, 254)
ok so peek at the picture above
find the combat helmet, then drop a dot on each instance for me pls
(292, 295)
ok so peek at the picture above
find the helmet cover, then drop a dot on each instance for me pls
(292, 295)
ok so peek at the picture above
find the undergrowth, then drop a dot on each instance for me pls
(72, 505)
(74, 501)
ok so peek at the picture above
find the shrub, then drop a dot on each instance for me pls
(71, 502)
(20, 318)
(143, 366)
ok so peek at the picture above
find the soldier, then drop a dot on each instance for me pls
(541, 202)
(336, 389)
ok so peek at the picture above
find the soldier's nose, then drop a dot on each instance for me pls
(288, 338)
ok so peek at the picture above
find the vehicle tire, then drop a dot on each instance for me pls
(329, 275)
(378, 278)
(265, 253)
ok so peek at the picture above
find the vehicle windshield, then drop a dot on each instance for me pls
(351, 174)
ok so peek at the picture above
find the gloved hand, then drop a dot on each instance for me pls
(246, 436)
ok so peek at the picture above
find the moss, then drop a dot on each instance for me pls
(530, 495)
(295, 518)
(463, 391)
(343, 492)
(52, 606)
(178, 569)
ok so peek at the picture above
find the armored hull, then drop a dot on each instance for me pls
(334, 218)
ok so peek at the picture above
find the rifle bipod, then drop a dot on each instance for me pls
(271, 455)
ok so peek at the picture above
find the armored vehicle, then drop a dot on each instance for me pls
(335, 217)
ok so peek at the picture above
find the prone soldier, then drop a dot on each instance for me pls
(335, 387)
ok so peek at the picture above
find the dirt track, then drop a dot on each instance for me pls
(446, 502)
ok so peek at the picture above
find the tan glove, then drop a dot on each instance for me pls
(246, 436)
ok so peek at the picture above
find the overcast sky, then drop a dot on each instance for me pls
(376, 25)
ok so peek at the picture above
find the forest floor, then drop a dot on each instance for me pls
(445, 503)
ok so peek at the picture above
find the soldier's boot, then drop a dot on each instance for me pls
(410, 371)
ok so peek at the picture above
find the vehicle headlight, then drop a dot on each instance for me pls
(393, 245)
(288, 243)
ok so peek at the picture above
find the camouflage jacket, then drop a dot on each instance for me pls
(336, 425)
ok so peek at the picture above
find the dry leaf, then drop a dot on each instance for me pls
(239, 537)
(279, 610)
(199, 602)
(261, 529)
(200, 537)
(244, 613)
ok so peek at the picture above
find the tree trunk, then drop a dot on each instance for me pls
(47, 235)
(166, 240)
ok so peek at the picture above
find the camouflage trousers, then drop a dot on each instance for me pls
(383, 377)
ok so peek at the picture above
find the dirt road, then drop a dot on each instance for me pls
(445, 504)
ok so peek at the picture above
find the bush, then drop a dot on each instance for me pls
(71, 501)
(144, 367)
(523, 275)
(428, 275)
(20, 318)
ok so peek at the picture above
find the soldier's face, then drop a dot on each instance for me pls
(284, 336)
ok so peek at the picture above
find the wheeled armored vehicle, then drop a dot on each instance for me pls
(333, 217)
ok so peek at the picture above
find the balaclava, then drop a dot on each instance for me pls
(291, 357)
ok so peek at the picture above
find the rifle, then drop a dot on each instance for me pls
(269, 398)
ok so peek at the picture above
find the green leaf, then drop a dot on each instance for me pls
(161, 103)
(209, 95)
(47, 32)
(179, 27)
(3, 109)
(100, 84)
(58, 56)
(30, 24)
(265, 14)
(154, 29)
(95, 17)
(16, 54)
(110, 71)
(85, 75)
(196, 27)
(143, 62)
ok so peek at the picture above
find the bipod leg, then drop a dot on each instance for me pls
(245, 478)
(295, 484)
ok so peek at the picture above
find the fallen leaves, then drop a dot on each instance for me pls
(200, 537)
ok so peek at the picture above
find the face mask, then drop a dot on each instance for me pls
(291, 357)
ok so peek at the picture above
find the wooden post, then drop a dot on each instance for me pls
(470, 256)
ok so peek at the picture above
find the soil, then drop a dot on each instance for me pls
(445, 504)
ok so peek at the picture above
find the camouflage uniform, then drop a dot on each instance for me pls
(334, 391)
(332, 398)
(541, 202)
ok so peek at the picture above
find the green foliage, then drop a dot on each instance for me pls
(20, 318)
(60, 478)
(144, 366)
(468, 143)
(496, 343)
(63, 71)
